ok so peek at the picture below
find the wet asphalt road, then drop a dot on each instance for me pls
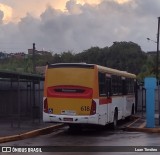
(91, 137)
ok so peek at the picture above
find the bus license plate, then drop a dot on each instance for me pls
(68, 112)
(68, 119)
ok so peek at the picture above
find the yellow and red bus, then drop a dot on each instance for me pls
(80, 93)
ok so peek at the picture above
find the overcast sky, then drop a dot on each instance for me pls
(62, 25)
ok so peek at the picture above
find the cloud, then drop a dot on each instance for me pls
(1, 16)
(81, 26)
(73, 7)
(7, 12)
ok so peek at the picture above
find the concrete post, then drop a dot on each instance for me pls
(150, 85)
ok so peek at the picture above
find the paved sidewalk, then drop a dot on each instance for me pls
(7, 129)
(139, 124)
(27, 129)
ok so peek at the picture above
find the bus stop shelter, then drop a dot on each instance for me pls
(21, 96)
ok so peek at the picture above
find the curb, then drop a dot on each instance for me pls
(141, 128)
(31, 134)
(148, 130)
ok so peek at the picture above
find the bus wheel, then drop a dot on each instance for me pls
(115, 119)
(75, 127)
(130, 117)
(132, 112)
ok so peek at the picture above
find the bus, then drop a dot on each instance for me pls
(81, 94)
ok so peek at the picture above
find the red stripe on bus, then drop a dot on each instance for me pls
(105, 101)
(69, 92)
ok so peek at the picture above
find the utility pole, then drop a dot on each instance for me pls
(157, 67)
(33, 82)
(33, 58)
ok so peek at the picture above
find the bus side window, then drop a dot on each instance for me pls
(130, 86)
(124, 87)
(108, 87)
(116, 85)
(102, 88)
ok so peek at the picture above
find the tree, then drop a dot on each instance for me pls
(126, 56)
(92, 55)
(67, 57)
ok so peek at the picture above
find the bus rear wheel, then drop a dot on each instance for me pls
(115, 119)
(132, 112)
(75, 127)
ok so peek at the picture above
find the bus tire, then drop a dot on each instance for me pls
(75, 127)
(115, 119)
(130, 117)
(133, 111)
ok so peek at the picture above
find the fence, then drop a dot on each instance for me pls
(21, 98)
(141, 101)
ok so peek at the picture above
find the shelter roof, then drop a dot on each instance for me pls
(16, 75)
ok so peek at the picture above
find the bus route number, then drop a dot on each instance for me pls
(85, 108)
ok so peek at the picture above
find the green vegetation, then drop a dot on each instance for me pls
(126, 56)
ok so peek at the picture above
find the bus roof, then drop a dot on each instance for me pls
(76, 65)
(115, 72)
(92, 66)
